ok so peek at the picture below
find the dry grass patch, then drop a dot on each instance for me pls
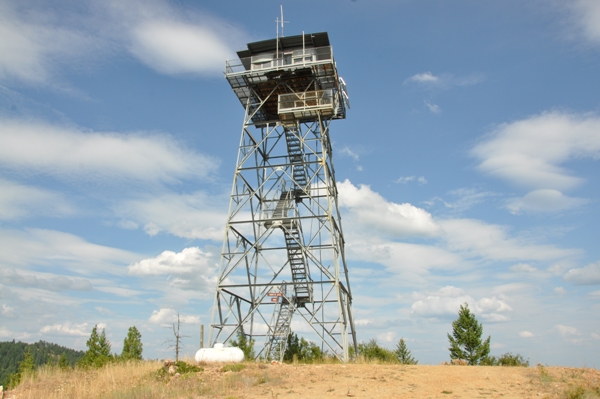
(366, 380)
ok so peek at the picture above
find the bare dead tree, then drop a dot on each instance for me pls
(177, 342)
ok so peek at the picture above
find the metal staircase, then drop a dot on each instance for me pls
(298, 264)
(296, 154)
(277, 337)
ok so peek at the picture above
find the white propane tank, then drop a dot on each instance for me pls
(219, 354)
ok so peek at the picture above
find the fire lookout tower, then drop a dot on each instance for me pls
(283, 252)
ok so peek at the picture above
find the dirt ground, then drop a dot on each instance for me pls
(295, 381)
(398, 381)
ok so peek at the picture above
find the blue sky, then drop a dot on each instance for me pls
(467, 167)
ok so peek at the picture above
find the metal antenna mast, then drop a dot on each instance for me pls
(283, 253)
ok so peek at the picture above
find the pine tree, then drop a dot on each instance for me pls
(104, 345)
(27, 365)
(245, 344)
(132, 345)
(404, 355)
(465, 341)
(63, 363)
(98, 353)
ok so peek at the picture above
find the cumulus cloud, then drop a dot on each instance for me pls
(169, 262)
(531, 152)
(68, 329)
(588, 275)
(372, 210)
(73, 153)
(387, 337)
(447, 300)
(526, 334)
(190, 269)
(8, 334)
(543, 201)
(167, 316)
(195, 216)
(19, 201)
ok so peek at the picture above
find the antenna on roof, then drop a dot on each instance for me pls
(280, 21)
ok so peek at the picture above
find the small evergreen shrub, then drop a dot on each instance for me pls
(233, 367)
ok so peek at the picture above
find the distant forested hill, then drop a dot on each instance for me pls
(11, 353)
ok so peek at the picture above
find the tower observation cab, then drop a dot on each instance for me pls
(283, 254)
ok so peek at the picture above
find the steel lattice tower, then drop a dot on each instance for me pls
(283, 252)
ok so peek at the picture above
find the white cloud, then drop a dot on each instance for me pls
(8, 334)
(196, 216)
(48, 248)
(34, 45)
(425, 77)
(372, 210)
(38, 42)
(68, 152)
(68, 329)
(43, 281)
(119, 291)
(566, 331)
(588, 17)
(20, 201)
(167, 316)
(103, 311)
(433, 108)
(7, 311)
(560, 291)
(413, 261)
(173, 40)
(190, 269)
(523, 268)
(474, 238)
(406, 179)
(387, 337)
(187, 261)
(466, 199)
(526, 334)
(531, 152)
(445, 80)
(176, 47)
(588, 275)
(544, 201)
(347, 151)
(447, 300)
